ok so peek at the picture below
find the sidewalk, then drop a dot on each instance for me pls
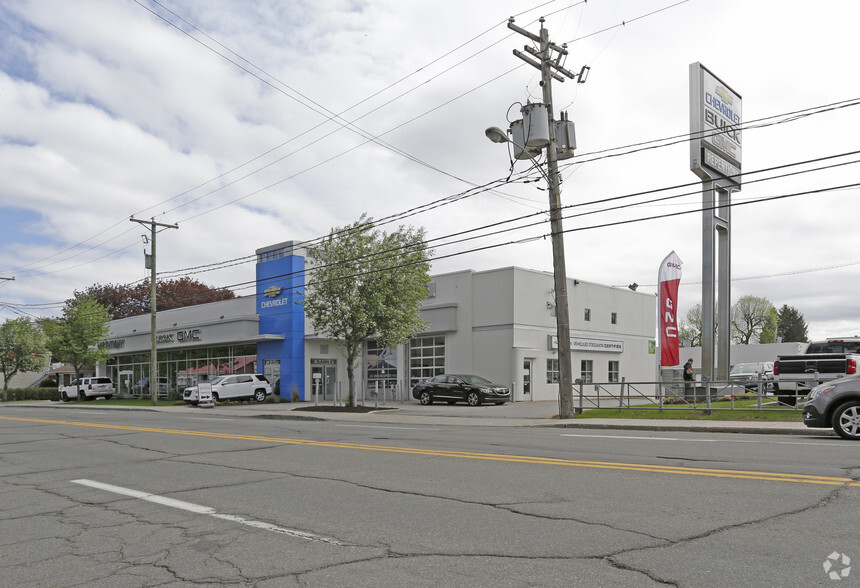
(517, 414)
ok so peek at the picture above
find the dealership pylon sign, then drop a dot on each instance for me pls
(669, 278)
(715, 127)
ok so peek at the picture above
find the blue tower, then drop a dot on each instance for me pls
(280, 281)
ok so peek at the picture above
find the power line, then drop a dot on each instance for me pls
(332, 117)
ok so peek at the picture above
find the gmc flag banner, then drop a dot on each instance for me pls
(668, 279)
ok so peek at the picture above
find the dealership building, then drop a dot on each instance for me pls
(499, 324)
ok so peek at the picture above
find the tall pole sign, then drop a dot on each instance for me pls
(715, 156)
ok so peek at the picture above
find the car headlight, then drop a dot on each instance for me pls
(819, 390)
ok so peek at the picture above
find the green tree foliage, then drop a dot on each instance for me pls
(768, 332)
(74, 338)
(22, 349)
(364, 284)
(124, 301)
(792, 326)
(691, 326)
(750, 316)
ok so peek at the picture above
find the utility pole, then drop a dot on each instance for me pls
(153, 360)
(550, 69)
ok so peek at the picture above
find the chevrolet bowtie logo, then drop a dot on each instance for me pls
(273, 292)
(724, 94)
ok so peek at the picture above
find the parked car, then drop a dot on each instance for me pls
(453, 388)
(822, 362)
(88, 387)
(234, 387)
(835, 404)
(748, 374)
(142, 387)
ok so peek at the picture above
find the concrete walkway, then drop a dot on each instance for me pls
(518, 414)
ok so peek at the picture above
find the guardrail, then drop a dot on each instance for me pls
(679, 395)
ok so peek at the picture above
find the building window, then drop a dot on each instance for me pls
(381, 366)
(426, 358)
(588, 314)
(614, 371)
(613, 318)
(552, 375)
(586, 370)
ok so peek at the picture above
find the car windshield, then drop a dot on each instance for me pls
(217, 380)
(477, 380)
(746, 368)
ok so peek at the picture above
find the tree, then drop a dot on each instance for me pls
(74, 339)
(123, 301)
(749, 317)
(791, 325)
(691, 327)
(365, 283)
(22, 349)
(768, 332)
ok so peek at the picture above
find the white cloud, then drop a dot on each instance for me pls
(106, 111)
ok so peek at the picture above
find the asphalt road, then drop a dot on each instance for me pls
(182, 498)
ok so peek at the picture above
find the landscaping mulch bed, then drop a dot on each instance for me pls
(355, 409)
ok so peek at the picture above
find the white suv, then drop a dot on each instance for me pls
(89, 387)
(234, 387)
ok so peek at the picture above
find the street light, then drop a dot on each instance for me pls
(565, 381)
(497, 135)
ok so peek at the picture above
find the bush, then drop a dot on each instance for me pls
(33, 394)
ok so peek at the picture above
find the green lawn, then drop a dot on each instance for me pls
(138, 402)
(744, 410)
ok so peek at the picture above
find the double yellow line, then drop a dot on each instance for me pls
(685, 471)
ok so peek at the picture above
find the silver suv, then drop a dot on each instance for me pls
(88, 387)
(835, 404)
(234, 387)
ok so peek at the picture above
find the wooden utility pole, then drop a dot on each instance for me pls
(153, 360)
(550, 69)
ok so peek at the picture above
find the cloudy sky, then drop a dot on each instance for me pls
(253, 123)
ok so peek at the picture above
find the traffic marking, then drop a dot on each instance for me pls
(658, 469)
(205, 510)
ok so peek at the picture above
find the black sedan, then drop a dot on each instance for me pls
(452, 388)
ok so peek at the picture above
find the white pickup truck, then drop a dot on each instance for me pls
(823, 361)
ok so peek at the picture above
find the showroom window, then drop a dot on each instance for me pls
(426, 358)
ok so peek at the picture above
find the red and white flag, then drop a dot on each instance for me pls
(668, 280)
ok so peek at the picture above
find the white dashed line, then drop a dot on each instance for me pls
(205, 510)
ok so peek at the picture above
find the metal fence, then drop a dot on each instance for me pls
(679, 395)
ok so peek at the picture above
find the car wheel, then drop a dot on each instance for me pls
(64, 396)
(473, 398)
(425, 398)
(82, 396)
(846, 421)
(215, 397)
(260, 395)
(451, 401)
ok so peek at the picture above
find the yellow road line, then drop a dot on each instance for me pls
(687, 471)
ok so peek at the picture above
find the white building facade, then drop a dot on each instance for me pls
(499, 324)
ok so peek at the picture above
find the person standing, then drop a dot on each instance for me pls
(689, 378)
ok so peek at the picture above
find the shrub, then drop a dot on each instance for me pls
(33, 394)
